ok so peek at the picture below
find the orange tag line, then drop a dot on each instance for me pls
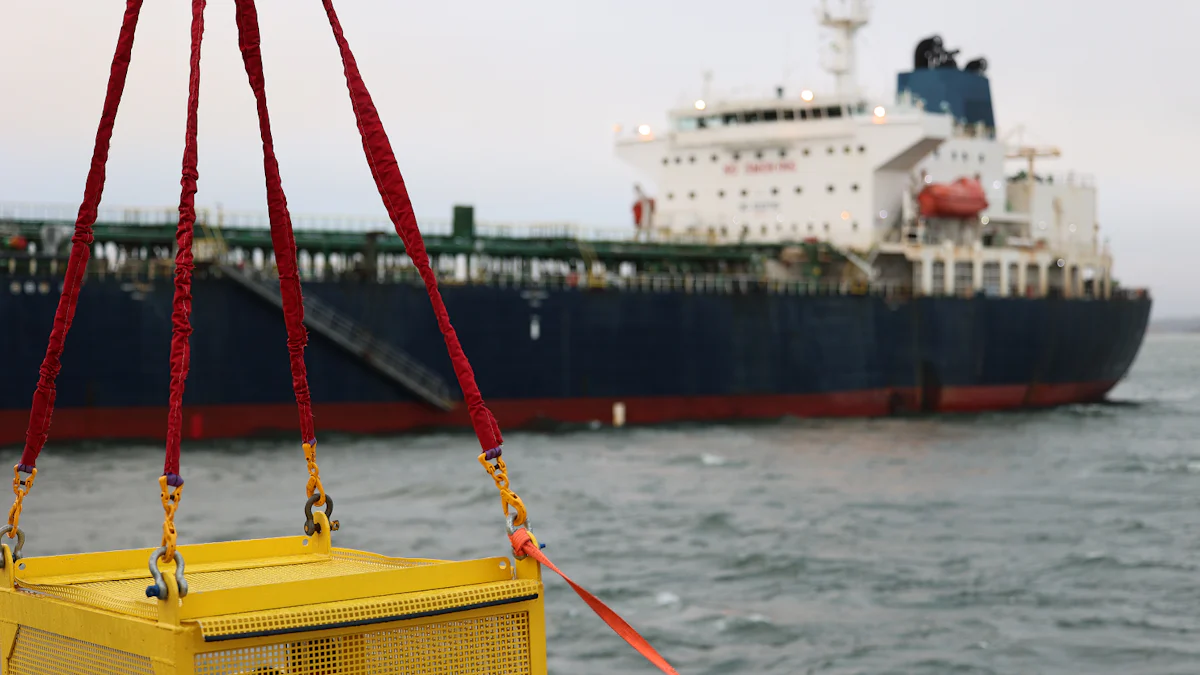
(523, 544)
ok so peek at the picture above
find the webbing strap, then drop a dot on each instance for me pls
(524, 546)
(182, 310)
(399, 207)
(282, 239)
(43, 398)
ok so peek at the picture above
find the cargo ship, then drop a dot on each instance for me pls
(803, 253)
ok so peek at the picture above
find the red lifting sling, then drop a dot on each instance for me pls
(390, 183)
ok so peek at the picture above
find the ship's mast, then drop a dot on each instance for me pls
(841, 58)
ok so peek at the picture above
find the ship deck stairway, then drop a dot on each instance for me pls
(388, 360)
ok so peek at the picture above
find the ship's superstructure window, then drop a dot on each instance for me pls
(737, 156)
(670, 195)
(807, 152)
(964, 276)
(862, 149)
(846, 149)
(666, 161)
(938, 272)
(782, 153)
(834, 111)
(799, 189)
(829, 150)
(758, 155)
(691, 195)
(775, 191)
(854, 187)
(829, 189)
(789, 115)
(721, 193)
(745, 192)
(692, 159)
(716, 158)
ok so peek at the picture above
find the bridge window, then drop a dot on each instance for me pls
(752, 116)
(770, 115)
(803, 114)
(730, 119)
(815, 113)
(687, 124)
(789, 115)
(834, 111)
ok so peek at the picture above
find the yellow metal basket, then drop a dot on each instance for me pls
(284, 606)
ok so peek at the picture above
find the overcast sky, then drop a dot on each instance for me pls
(510, 106)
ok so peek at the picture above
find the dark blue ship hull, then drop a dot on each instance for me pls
(563, 355)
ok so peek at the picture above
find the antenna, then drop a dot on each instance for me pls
(708, 76)
(841, 56)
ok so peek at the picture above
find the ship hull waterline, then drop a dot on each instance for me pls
(545, 356)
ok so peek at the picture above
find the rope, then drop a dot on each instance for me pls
(282, 239)
(21, 488)
(170, 503)
(182, 309)
(43, 398)
(42, 408)
(390, 183)
(391, 187)
(524, 546)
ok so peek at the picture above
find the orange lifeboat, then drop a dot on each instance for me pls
(964, 198)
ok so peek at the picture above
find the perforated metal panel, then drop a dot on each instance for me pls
(40, 653)
(367, 611)
(487, 645)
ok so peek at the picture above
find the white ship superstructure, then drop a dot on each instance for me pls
(849, 169)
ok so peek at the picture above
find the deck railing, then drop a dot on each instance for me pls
(24, 273)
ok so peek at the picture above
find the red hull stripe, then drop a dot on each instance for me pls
(232, 421)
